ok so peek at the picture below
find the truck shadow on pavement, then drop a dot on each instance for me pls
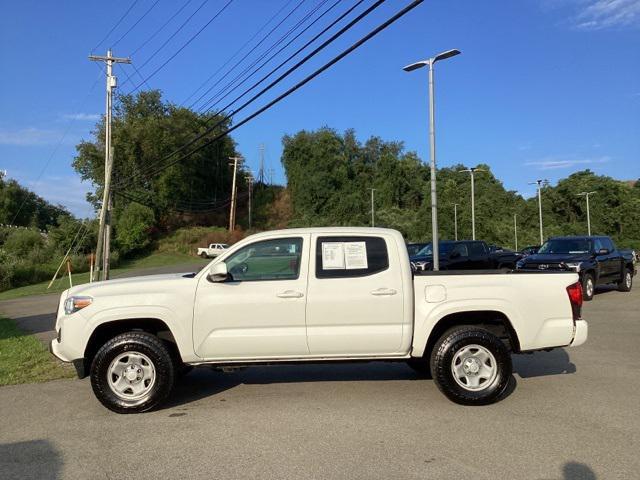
(204, 382)
(539, 364)
(36, 459)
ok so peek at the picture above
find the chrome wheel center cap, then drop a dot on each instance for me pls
(471, 366)
(132, 373)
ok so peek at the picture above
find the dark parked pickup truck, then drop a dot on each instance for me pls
(595, 258)
(464, 255)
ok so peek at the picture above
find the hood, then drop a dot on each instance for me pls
(147, 283)
(557, 257)
(421, 258)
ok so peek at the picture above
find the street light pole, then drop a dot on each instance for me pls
(515, 230)
(373, 218)
(432, 142)
(472, 172)
(539, 184)
(455, 220)
(586, 196)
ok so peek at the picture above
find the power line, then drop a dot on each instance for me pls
(135, 24)
(235, 54)
(153, 35)
(248, 53)
(184, 45)
(277, 80)
(116, 25)
(293, 55)
(266, 52)
(303, 82)
(172, 35)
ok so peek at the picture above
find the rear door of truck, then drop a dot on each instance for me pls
(355, 296)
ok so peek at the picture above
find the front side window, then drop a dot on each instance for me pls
(277, 259)
(350, 256)
(461, 250)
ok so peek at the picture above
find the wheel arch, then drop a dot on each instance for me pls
(108, 330)
(493, 320)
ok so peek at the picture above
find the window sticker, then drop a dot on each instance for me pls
(333, 256)
(355, 255)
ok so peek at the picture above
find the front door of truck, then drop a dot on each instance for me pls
(259, 312)
(355, 302)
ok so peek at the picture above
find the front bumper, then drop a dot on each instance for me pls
(78, 363)
(580, 333)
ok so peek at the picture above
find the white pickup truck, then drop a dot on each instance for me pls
(314, 295)
(212, 250)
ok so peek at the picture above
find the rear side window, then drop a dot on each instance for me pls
(350, 256)
(476, 248)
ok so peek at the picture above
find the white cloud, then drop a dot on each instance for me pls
(29, 136)
(601, 14)
(85, 117)
(552, 163)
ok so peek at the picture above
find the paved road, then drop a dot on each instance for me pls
(573, 415)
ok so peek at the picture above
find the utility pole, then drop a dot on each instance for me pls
(103, 250)
(249, 178)
(515, 229)
(586, 196)
(373, 215)
(472, 172)
(455, 220)
(539, 184)
(234, 196)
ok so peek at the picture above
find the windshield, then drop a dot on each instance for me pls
(445, 249)
(573, 245)
(414, 248)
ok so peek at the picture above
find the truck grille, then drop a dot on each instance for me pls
(545, 266)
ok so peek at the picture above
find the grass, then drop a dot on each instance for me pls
(24, 359)
(159, 259)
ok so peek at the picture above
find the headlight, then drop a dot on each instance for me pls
(73, 304)
(575, 266)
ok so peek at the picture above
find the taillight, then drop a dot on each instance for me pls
(575, 297)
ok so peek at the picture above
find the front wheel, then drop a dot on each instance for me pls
(471, 366)
(132, 373)
(627, 281)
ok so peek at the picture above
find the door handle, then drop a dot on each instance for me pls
(290, 294)
(383, 291)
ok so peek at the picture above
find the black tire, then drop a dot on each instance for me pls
(204, 255)
(136, 343)
(627, 282)
(588, 291)
(453, 342)
(420, 366)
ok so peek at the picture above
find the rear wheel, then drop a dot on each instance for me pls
(133, 372)
(627, 281)
(588, 286)
(471, 366)
(203, 255)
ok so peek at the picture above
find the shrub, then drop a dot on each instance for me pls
(23, 242)
(133, 225)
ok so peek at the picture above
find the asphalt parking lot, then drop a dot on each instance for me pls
(572, 415)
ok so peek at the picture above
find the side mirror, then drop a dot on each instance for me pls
(218, 272)
(603, 251)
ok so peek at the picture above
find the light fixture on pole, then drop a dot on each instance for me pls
(539, 184)
(586, 196)
(432, 141)
(472, 172)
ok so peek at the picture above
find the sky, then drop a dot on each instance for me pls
(543, 88)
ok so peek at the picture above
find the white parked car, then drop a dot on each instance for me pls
(309, 295)
(212, 250)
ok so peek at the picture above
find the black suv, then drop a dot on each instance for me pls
(595, 258)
